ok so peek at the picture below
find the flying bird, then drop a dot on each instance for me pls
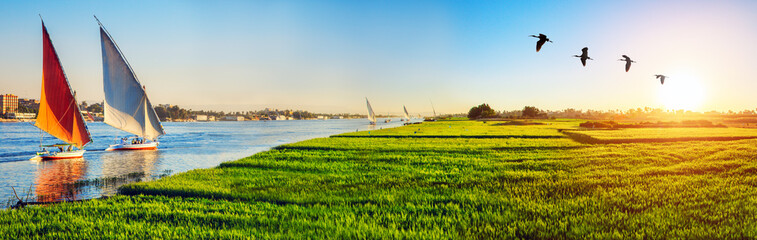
(661, 77)
(584, 55)
(628, 62)
(542, 39)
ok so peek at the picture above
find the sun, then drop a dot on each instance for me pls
(682, 92)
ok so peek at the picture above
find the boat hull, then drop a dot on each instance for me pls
(62, 155)
(126, 147)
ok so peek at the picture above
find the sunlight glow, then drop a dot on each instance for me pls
(682, 91)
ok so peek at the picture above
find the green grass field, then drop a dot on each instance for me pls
(448, 184)
(472, 129)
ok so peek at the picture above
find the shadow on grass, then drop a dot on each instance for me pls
(537, 148)
(338, 199)
(344, 194)
(444, 136)
(374, 150)
(586, 139)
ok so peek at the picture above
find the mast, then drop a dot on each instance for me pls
(432, 107)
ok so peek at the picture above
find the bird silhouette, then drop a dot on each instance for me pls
(584, 55)
(628, 62)
(542, 39)
(661, 77)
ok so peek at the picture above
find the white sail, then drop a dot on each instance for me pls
(126, 104)
(407, 116)
(371, 115)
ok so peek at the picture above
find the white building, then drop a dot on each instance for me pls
(14, 115)
(201, 118)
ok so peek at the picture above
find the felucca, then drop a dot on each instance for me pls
(407, 116)
(126, 105)
(59, 113)
(371, 115)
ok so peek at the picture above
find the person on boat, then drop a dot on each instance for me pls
(60, 148)
(69, 147)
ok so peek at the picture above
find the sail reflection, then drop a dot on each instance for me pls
(56, 179)
(134, 165)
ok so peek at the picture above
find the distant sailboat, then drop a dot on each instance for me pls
(59, 113)
(407, 116)
(126, 105)
(371, 115)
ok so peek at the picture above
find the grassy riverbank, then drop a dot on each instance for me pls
(460, 179)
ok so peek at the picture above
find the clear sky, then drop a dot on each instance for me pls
(326, 56)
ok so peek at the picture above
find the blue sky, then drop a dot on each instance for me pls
(326, 56)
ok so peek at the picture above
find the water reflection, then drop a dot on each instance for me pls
(55, 179)
(123, 163)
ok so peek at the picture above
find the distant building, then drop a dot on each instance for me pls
(200, 118)
(21, 115)
(29, 103)
(8, 103)
(233, 118)
(337, 117)
(211, 118)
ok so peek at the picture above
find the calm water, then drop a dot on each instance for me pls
(186, 146)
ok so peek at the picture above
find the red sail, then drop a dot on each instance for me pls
(59, 113)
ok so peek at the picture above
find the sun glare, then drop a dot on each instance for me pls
(682, 92)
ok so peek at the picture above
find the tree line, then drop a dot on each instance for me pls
(485, 111)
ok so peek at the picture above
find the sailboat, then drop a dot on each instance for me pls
(59, 113)
(407, 116)
(126, 106)
(371, 115)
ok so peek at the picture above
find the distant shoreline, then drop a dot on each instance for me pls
(3, 120)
